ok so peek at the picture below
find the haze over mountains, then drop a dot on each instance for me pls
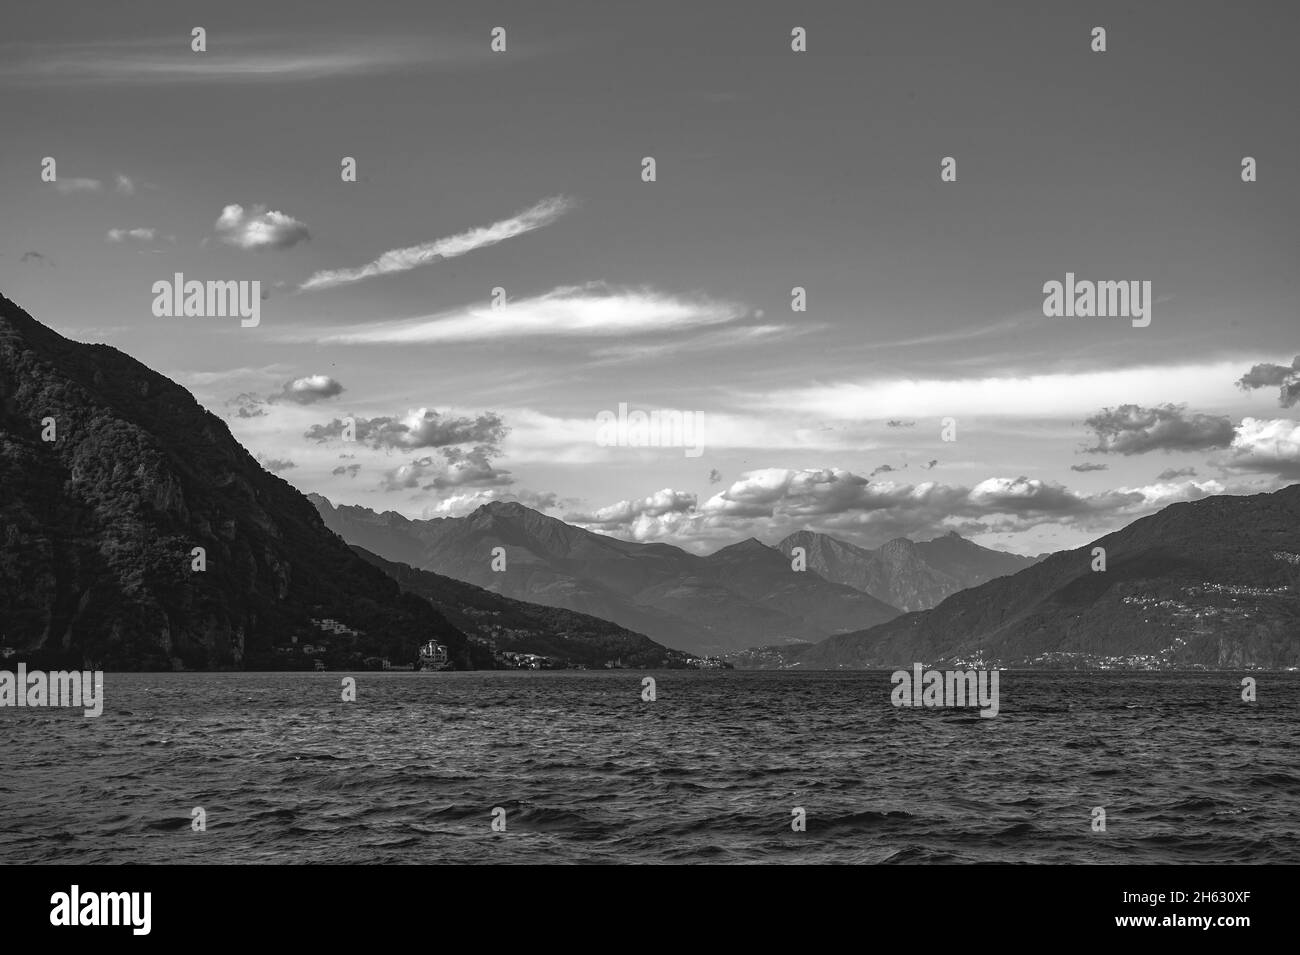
(743, 595)
(907, 574)
(1211, 583)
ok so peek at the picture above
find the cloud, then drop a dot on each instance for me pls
(1024, 496)
(471, 468)
(774, 502)
(420, 428)
(805, 492)
(1267, 446)
(626, 513)
(457, 469)
(276, 465)
(1064, 394)
(235, 58)
(350, 470)
(1089, 466)
(540, 214)
(69, 186)
(1268, 375)
(260, 229)
(124, 185)
(247, 405)
(591, 310)
(1132, 429)
(308, 390)
(462, 503)
(738, 336)
(1172, 474)
(138, 235)
(408, 476)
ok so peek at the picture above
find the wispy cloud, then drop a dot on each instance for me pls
(1057, 394)
(402, 260)
(726, 338)
(230, 58)
(591, 310)
(77, 184)
(1016, 323)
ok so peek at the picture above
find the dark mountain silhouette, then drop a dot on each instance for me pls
(1211, 583)
(906, 574)
(508, 624)
(97, 528)
(741, 596)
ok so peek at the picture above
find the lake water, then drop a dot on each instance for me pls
(710, 771)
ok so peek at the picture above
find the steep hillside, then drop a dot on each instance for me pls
(514, 625)
(1211, 583)
(98, 525)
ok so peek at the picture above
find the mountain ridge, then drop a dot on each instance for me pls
(740, 595)
(1207, 583)
(910, 575)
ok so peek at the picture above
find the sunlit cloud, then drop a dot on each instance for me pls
(592, 311)
(402, 260)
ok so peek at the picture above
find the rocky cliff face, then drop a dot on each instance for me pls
(112, 476)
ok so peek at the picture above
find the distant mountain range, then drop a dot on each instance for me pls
(904, 573)
(741, 596)
(1211, 583)
(99, 525)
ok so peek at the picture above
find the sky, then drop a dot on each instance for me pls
(923, 388)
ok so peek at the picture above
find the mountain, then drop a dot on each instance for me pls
(741, 596)
(1211, 583)
(98, 528)
(908, 575)
(506, 624)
